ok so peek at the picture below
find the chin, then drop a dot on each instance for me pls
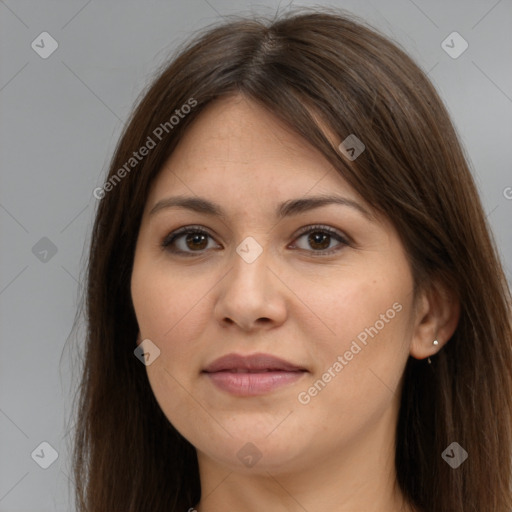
(253, 451)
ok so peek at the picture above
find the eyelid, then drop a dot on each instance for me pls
(342, 238)
(173, 235)
(323, 227)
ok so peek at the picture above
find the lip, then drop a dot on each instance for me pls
(251, 363)
(252, 375)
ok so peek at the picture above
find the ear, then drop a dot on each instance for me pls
(139, 339)
(437, 314)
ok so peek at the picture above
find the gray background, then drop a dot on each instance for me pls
(60, 119)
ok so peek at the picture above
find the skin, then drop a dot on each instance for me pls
(337, 451)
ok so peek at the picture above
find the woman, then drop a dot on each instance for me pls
(294, 301)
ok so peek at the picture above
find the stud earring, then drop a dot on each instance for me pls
(435, 342)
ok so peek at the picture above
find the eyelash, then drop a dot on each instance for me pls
(172, 237)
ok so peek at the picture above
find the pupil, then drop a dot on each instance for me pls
(196, 238)
(317, 238)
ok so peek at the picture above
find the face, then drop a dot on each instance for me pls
(325, 287)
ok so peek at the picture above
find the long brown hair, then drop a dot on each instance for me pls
(304, 67)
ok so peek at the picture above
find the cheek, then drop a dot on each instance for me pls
(171, 314)
(355, 301)
(168, 305)
(362, 356)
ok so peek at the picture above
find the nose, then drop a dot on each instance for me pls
(251, 295)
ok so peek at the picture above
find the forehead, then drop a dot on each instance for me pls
(235, 145)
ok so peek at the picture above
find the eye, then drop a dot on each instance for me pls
(194, 239)
(319, 238)
(187, 240)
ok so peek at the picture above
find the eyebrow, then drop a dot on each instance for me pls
(286, 209)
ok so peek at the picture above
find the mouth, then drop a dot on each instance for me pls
(252, 375)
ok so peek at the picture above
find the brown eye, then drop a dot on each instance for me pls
(319, 240)
(186, 241)
(196, 241)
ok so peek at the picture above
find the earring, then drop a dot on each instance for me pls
(435, 342)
